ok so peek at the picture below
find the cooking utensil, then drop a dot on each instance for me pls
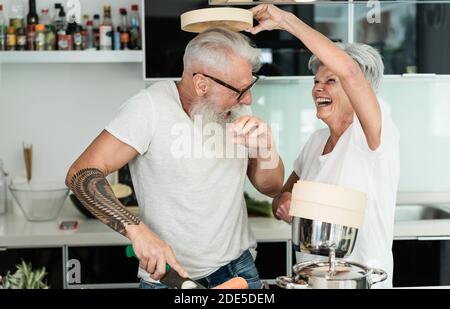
(40, 201)
(326, 216)
(234, 19)
(317, 237)
(171, 278)
(318, 275)
(28, 156)
(328, 203)
(326, 220)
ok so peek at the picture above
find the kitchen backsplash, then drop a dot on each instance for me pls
(420, 107)
(61, 111)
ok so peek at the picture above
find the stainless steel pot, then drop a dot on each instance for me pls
(342, 275)
(317, 237)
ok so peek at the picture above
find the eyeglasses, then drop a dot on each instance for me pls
(239, 92)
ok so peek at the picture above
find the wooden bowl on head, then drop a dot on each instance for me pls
(234, 19)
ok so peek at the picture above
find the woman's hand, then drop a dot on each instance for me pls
(281, 207)
(269, 17)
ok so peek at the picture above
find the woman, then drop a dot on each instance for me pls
(359, 149)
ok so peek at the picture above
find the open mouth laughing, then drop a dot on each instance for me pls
(323, 101)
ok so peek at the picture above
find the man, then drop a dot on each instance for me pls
(192, 206)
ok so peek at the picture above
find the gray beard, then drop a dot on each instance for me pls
(217, 140)
(208, 111)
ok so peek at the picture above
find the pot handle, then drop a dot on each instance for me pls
(378, 275)
(289, 283)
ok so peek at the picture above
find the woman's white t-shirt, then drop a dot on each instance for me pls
(354, 165)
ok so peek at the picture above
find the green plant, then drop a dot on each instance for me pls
(24, 278)
(258, 208)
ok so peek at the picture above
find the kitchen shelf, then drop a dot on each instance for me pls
(83, 56)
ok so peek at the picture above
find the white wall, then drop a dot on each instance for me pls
(59, 108)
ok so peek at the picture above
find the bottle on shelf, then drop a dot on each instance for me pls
(116, 40)
(85, 20)
(84, 31)
(11, 39)
(90, 39)
(78, 38)
(71, 25)
(56, 11)
(39, 40)
(106, 30)
(96, 31)
(50, 38)
(32, 21)
(31, 32)
(17, 14)
(2, 189)
(65, 41)
(71, 33)
(124, 30)
(3, 28)
(32, 16)
(60, 17)
(21, 39)
(135, 28)
(45, 19)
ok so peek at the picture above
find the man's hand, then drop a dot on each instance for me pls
(152, 252)
(281, 206)
(251, 132)
(269, 17)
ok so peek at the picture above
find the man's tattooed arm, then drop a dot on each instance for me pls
(93, 190)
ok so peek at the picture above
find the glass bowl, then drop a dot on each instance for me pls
(40, 201)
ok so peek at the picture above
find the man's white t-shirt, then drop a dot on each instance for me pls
(195, 204)
(354, 165)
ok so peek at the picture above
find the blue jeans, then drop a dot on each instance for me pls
(244, 267)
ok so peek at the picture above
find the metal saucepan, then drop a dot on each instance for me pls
(346, 275)
(317, 237)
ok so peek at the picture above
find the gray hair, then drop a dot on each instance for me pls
(367, 57)
(214, 46)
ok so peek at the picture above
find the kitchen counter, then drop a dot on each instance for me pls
(422, 229)
(16, 231)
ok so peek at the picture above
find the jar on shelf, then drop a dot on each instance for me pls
(39, 37)
(21, 39)
(11, 39)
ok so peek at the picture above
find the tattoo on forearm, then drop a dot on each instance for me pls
(94, 192)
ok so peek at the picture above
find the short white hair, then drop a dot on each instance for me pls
(214, 47)
(367, 57)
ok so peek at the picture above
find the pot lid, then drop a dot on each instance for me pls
(235, 19)
(344, 270)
